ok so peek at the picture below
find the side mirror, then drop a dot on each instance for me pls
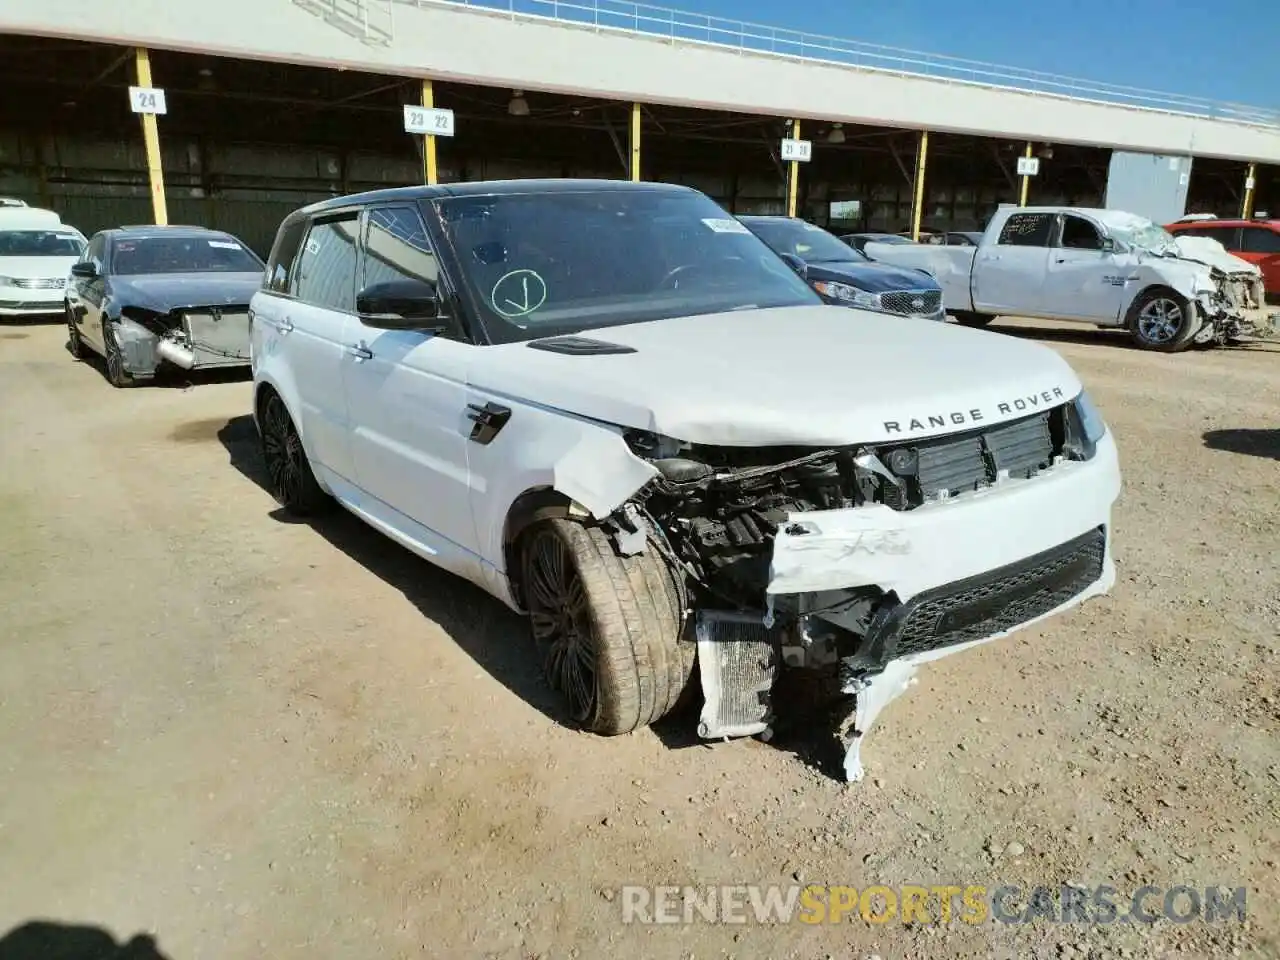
(1108, 245)
(399, 304)
(84, 269)
(795, 263)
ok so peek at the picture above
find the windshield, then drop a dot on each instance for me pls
(559, 262)
(1142, 234)
(192, 254)
(40, 243)
(811, 244)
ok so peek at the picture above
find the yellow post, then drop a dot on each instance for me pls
(793, 175)
(917, 205)
(1026, 182)
(1250, 181)
(429, 140)
(151, 140)
(635, 143)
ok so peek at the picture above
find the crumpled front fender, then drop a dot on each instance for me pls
(137, 344)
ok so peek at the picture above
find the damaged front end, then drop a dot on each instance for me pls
(193, 337)
(1235, 307)
(808, 562)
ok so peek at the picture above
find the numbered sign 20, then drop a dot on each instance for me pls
(147, 100)
(428, 121)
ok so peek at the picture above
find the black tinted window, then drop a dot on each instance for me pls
(396, 247)
(283, 256)
(326, 272)
(1260, 240)
(1080, 234)
(39, 243)
(133, 256)
(1027, 230)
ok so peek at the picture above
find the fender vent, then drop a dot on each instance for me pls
(579, 346)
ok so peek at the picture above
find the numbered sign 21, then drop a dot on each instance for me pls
(428, 121)
(800, 151)
(147, 100)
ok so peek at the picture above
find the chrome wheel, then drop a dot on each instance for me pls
(563, 627)
(116, 372)
(1159, 320)
(74, 343)
(283, 453)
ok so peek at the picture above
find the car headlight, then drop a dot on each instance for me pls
(1085, 427)
(842, 291)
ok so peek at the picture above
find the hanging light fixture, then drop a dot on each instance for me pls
(1046, 151)
(519, 106)
(837, 133)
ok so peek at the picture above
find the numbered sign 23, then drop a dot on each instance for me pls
(428, 121)
(147, 100)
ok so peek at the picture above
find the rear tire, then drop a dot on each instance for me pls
(289, 475)
(1162, 320)
(967, 318)
(608, 627)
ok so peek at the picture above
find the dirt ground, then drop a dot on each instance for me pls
(251, 738)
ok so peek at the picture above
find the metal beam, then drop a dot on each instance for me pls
(429, 141)
(617, 145)
(1025, 189)
(793, 174)
(917, 204)
(897, 158)
(1250, 182)
(151, 140)
(1004, 167)
(635, 143)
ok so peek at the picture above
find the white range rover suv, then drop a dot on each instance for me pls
(616, 410)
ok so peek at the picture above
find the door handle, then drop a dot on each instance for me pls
(285, 327)
(1061, 260)
(359, 351)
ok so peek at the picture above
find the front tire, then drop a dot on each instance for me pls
(608, 627)
(1162, 321)
(290, 477)
(967, 318)
(117, 375)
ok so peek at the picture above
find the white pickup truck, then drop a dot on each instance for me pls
(1104, 267)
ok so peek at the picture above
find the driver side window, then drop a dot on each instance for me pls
(1079, 234)
(93, 253)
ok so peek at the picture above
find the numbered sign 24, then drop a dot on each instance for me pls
(428, 121)
(147, 100)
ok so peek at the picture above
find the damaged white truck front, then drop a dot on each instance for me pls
(613, 407)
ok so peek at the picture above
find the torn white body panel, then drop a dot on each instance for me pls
(907, 552)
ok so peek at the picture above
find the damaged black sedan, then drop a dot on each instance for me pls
(146, 297)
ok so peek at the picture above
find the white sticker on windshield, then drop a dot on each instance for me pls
(224, 245)
(725, 226)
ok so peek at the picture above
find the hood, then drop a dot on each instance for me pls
(173, 291)
(36, 268)
(809, 376)
(872, 277)
(1212, 254)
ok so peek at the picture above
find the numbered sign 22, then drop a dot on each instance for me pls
(428, 121)
(147, 100)
(798, 150)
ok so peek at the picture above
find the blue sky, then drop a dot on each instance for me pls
(1224, 50)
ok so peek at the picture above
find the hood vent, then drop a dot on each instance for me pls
(579, 346)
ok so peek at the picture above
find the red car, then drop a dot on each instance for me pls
(1257, 241)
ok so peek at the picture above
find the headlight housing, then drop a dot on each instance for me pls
(1085, 427)
(847, 294)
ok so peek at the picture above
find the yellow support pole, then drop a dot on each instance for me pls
(1250, 181)
(151, 140)
(1026, 182)
(917, 204)
(635, 143)
(793, 175)
(429, 140)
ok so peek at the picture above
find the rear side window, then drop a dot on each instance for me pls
(283, 256)
(1260, 240)
(326, 271)
(1026, 230)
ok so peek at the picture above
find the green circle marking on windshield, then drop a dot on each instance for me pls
(518, 293)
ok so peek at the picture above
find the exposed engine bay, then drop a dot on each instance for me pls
(1236, 308)
(191, 337)
(720, 511)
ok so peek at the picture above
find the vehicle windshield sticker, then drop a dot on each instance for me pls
(518, 294)
(224, 245)
(725, 226)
